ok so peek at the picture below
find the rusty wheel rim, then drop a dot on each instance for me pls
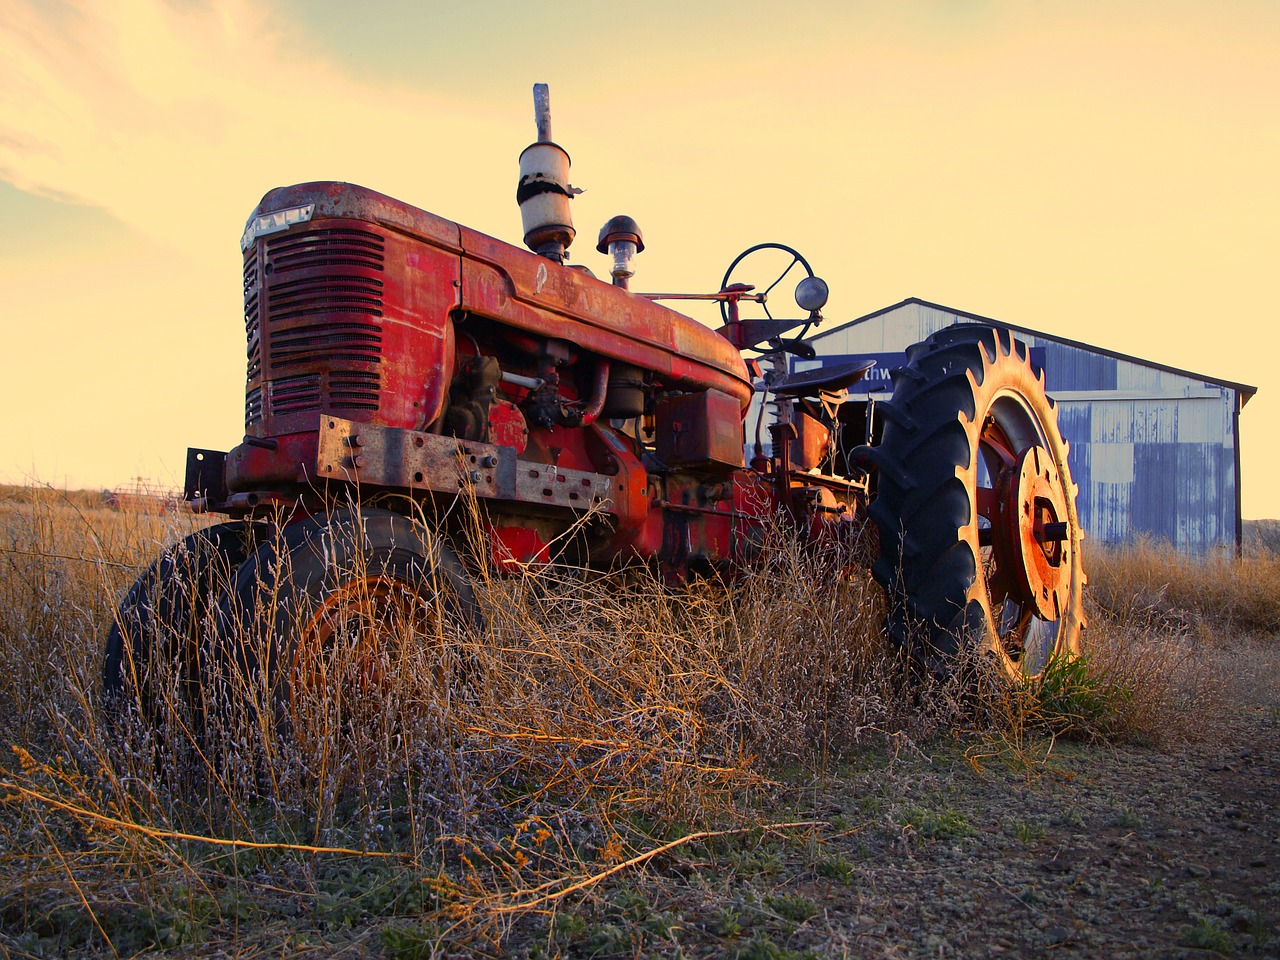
(355, 654)
(1022, 532)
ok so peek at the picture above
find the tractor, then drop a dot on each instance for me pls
(411, 381)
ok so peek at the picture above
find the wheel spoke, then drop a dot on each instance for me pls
(995, 441)
(781, 276)
(999, 585)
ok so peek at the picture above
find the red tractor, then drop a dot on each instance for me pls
(402, 367)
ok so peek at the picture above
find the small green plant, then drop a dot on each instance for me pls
(630, 904)
(1028, 833)
(1259, 930)
(937, 824)
(728, 922)
(1126, 818)
(795, 907)
(761, 862)
(1066, 697)
(418, 942)
(1069, 817)
(762, 947)
(608, 939)
(1207, 934)
(569, 927)
(835, 868)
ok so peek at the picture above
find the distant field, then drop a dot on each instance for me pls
(609, 767)
(1262, 537)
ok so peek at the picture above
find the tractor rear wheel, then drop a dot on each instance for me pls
(980, 540)
(341, 622)
(154, 639)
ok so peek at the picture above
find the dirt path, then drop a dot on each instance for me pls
(1116, 852)
(984, 850)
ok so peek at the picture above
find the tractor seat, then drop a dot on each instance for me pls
(811, 383)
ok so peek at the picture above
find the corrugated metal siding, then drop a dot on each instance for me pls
(1152, 450)
(1067, 368)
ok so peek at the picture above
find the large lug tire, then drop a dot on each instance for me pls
(980, 540)
(327, 622)
(154, 638)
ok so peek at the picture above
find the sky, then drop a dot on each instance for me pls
(1102, 171)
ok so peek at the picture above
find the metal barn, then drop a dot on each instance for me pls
(1154, 449)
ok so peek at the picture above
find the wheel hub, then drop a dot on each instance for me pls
(350, 656)
(1031, 538)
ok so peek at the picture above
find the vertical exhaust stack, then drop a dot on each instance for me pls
(544, 191)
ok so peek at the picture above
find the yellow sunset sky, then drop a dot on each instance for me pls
(1103, 171)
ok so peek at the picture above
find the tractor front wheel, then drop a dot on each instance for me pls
(345, 621)
(151, 648)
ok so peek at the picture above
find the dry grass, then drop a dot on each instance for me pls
(495, 769)
(1216, 597)
(588, 721)
(1164, 630)
(1262, 538)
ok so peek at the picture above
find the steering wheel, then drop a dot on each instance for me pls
(811, 291)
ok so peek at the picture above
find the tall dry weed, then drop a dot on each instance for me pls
(1162, 625)
(581, 717)
(1216, 596)
(495, 762)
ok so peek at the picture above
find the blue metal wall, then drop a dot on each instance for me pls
(1152, 450)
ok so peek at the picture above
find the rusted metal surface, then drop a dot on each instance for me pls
(532, 294)
(599, 389)
(511, 546)
(699, 429)
(391, 457)
(346, 317)
(429, 266)
(410, 459)
(370, 323)
(812, 443)
(549, 485)
(1031, 560)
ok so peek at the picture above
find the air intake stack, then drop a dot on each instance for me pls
(544, 191)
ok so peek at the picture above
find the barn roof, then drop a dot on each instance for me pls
(1245, 391)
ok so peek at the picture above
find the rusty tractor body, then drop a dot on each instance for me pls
(402, 363)
(391, 350)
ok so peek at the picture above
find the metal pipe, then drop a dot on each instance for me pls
(542, 111)
(599, 390)
(529, 383)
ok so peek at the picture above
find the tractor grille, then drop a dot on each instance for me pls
(352, 342)
(353, 390)
(313, 318)
(290, 394)
(253, 406)
(307, 297)
(253, 336)
(328, 247)
(324, 275)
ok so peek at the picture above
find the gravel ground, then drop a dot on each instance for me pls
(982, 849)
(1115, 852)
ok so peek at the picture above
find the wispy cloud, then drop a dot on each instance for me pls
(157, 111)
